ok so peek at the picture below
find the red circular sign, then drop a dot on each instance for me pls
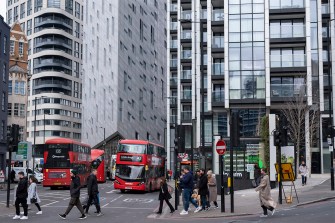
(221, 147)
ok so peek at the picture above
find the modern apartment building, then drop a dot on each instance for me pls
(4, 64)
(124, 70)
(249, 56)
(54, 32)
(18, 80)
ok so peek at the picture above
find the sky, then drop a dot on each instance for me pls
(3, 8)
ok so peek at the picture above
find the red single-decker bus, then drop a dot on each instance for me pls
(98, 163)
(140, 165)
(61, 156)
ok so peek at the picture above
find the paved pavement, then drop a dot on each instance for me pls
(247, 201)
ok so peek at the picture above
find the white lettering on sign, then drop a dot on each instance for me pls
(138, 200)
(54, 156)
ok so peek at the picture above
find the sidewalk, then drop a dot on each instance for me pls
(247, 201)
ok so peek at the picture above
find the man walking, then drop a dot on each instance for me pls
(93, 192)
(203, 188)
(21, 197)
(75, 196)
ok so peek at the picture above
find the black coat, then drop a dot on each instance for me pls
(92, 185)
(75, 187)
(203, 185)
(22, 188)
(164, 192)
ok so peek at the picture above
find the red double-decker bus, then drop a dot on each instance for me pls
(140, 165)
(60, 157)
(98, 163)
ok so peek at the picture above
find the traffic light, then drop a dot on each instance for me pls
(179, 140)
(277, 138)
(13, 139)
(236, 129)
(283, 130)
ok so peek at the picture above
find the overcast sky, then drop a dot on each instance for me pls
(3, 8)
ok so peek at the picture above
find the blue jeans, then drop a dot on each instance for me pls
(187, 198)
(203, 201)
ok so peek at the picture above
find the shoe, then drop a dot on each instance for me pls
(216, 207)
(24, 218)
(63, 216)
(40, 212)
(158, 212)
(198, 209)
(16, 217)
(207, 208)
(184, 212)
(263, 215)
(273, 211)
(83, 217)
(189, 209)
(100, 214)
(172, 211)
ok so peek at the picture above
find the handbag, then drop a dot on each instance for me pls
(33, 200)
(254, 184)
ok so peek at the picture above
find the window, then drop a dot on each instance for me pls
(38, 5)
(21, 48)
(76, 69)
(29, 8)
(121, 109)
(10, 87)
(69, 6)
(16, 13)
(77, 30)
(53, 3)
(22, 10)
(4, 72)
(76, 49)
(3, 130)
(22, 110)
(3, 101)
(9, 15)
(20, 88)
(137, 135)
(152, 100)
(77, 10)
(125, 80)
(5, 44)
(9, 109)
(29, 27)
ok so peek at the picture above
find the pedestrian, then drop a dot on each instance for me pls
(303, 170)
(187, 181)
(213, 192)
(12, 176)
(33, 197)
(257, 175)
(21, 197)
(196, 179)
(108, 173)
(75, 196)
(170, 174)
(164, 195)
(267, 203)
(93, 192)
(203, 189)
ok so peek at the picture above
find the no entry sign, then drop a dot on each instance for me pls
(221, 147)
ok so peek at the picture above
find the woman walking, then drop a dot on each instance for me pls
(33, 197)
(303, 169)
(213, 192)
(267, 203)
(164, 195)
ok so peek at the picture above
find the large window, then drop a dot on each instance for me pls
(288, 57)
(22, 10)
(10, 87)
(288, 86)
(20, 88)
(38, 5)
(53, 3)
(29, 8)
(287, 28)
(77, 10)
(69, 6)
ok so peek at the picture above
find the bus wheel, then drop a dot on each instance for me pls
(123, 191)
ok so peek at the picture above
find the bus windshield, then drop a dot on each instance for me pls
(131, 148)
(58, 156)
(126, 172)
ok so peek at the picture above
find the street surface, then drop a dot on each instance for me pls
(141, 207)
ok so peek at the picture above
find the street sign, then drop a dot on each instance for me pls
(330, 148)
(23, 152)
(221, 147)
(329, 140)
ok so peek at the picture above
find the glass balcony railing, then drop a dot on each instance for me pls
(186, 34)
(186, 15)
(174, 44)
(187, 94)
(325, 8)
(173, 25)
(284, 4)
(218, 42)
(173, 7)
(290, 60)
(186, 115)
(173, 62)
(218, 96)
(173, 80)
(203, 14)
(173, 119)
(287, 31)
(186, 54)
(288, 90)
(218, 15)
(218, 69)
(173, 100)
(186, 74)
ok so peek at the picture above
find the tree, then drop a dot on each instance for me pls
(264, 134)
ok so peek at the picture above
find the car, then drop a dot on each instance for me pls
(37, 174)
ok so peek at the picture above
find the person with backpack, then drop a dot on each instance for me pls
(75, 196)
(33, 197)
(21, 197)
(93, 192)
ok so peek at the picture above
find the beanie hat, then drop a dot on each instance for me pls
(74, 172)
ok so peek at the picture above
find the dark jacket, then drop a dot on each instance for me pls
(164, 192)
(75, 187)
(22, 188)
(203, 185)
(187, 181)
(92, 185)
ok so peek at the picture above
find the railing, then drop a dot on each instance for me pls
(186, 34)
(186, 115)
(173, 119)
(203, 14)
(173, 25)
(173, 80)
(284, 4)
(287, 31)
(174, 44)
(187, 94)
(173, 100)
(290, 60)
(186, 54)
(218, 96)
(186, 74)
(288, 90)
(218, 42)
(325, 8)
(173, 62)
(186, 15)
(174, 7)
(218, 69)
(218, 15)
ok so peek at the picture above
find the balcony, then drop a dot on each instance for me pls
(287, 31)
(187, 15)
(284, 4)
(39, 42)
(173, 81)
(290, 60)
(186, 115)
(186, 54)
(173, 7)
(203, 14)
(173, 119)
(325, 8)
(173, 62)
(288, 90)
(173, 25)
(218, 42)
(218, 69)
(187, 94)
(218, 15)
(218, 96)
(186, 74)
(174, 44)
(52, 62)
(173, 100)
(186, 34)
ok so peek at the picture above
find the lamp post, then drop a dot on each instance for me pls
(330, 108)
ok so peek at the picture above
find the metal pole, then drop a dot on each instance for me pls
(280, 192)
(222, 185)
(176, 167)
(202, 90)
(44, 126)
(231, 178)
(34, 148)
(330, 108)
(9, 175)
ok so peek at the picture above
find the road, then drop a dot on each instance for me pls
(140, 208)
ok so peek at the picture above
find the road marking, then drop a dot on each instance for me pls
(49, 204)
(129, 208)
(112, 201)
(138, 200)
(112, 191)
